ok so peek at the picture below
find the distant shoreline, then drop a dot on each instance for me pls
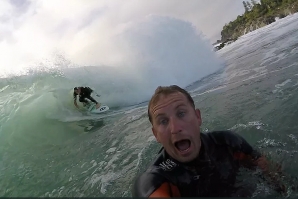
(256, 15)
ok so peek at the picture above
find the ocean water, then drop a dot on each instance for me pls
(48, 148)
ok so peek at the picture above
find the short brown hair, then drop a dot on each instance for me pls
(167, 90)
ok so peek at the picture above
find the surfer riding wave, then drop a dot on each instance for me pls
(84, 92)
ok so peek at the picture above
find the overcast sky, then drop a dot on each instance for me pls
(31, 27)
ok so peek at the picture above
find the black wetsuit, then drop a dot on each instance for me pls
(85, 93)
(213, 174)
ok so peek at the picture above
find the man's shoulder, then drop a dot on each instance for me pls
(157, 173)
(222, 134)
(146, 183)
(229, 138)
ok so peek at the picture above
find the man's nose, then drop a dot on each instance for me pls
(175, 125)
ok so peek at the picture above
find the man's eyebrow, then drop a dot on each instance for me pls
(163, 114)
(178, 106)
(159, 115)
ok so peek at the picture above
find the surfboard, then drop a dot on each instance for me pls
(101, 109)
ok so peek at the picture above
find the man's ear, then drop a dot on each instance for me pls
(155, 134)
(198, 114)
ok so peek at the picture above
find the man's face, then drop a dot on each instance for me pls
(176, 125)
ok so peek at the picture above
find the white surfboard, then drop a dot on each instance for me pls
(101, 109)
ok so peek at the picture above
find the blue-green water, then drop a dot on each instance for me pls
(48, 148)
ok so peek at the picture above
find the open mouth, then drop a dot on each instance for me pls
(182, 145)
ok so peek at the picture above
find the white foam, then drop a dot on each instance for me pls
(283, 83)
(151, 139)
(256, 124)
(270, 143)
(294, 51)
(210, 90)
(111, 150)
(279, 86)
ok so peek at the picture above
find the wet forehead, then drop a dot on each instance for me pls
(168, 100)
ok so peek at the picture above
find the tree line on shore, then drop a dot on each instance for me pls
(256, 15)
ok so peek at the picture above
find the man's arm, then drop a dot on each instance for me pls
(272, 172)
(166, 190)
(149, 185)
(250, 158)
(92, 99)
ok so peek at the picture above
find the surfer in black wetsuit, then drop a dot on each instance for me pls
(194, 164)
(83, 92)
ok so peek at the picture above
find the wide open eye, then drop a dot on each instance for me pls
(163, 121)
(181, 114)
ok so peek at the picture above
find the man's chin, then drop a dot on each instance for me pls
(186, 160)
